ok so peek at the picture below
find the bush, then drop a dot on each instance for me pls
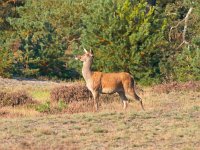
(186, 66)
(44, 108)
(72, 93)
(175, 86)
(15, 98)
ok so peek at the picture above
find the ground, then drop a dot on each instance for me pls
(171, 120)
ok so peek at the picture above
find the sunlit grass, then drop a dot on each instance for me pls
(40, 95)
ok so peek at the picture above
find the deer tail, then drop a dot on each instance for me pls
(135, 94)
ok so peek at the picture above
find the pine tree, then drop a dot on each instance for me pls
(125, 37)
(45, 30)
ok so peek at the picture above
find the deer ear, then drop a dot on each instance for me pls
(91, 52)
(85, 50)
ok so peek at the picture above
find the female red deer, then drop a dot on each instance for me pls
(107, 83)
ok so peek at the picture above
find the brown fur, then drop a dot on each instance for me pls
(112, 81)
(108, 83)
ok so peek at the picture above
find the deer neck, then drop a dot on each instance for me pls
(86, 71)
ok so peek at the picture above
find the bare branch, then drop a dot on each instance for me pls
(186, 23)
(185, 20)
(184, 42)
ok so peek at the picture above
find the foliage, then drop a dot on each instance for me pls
(8, 9)
(44, 108)
(44, 31)
(184, 62)
(39, 38)
(188, 65)
(125, 37)
(40, 49)
(6, 59)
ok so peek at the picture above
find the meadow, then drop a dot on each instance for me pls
(171, 120)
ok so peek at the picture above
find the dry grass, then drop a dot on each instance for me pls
(170, 121)
(155, 129)
(10, 112)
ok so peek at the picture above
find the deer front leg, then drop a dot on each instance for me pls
(96, 99)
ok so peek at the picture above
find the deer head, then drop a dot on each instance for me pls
(86, 57)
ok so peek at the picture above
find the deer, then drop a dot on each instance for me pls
(107, 83)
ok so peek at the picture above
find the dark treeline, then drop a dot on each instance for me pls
(156, 41)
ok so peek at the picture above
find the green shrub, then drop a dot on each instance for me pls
(187, 67)
(6, 62)
(62, 105)
(44, 108)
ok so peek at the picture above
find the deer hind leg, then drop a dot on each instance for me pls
(139, 99)
(131, 94)
(124, 99)
(96, 99)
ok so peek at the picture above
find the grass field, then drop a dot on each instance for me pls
(170, 121)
